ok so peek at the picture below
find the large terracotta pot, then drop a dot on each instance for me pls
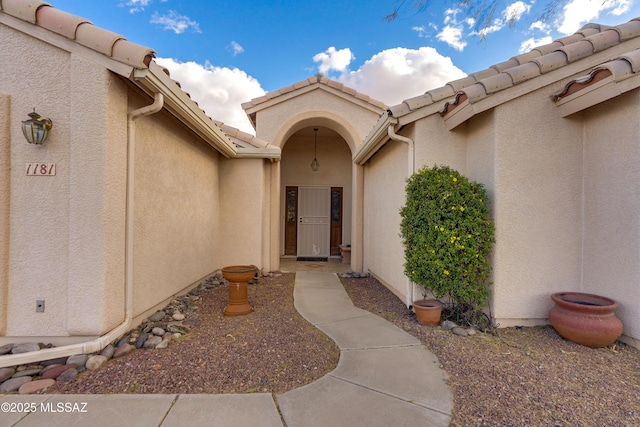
(238, 277)
(428, 311)
(585, 319)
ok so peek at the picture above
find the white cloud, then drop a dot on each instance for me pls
(332, 59)
(219, 91)
(451, 33)
(397, 74)
(529, 44)
(175, 22)
(452, 36)
(514, 11)
(510, 15)
(137, 5)
(576, 13)
(541, 26)
(236, 48)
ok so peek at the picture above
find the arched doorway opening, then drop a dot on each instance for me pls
(316, 205)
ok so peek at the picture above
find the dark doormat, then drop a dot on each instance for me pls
(306, 258)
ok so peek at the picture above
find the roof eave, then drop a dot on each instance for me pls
(377, 137)
(178, 102)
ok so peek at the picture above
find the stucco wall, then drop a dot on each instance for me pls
(348, 118)
(176, 209)
(384, 195)
(612, 203)
(5, 186)
(242, 209)
(60, 226)
(538, 207)
(64, 235)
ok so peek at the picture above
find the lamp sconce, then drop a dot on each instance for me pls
(35, 129)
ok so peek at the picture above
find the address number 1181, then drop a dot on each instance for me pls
(40, 169)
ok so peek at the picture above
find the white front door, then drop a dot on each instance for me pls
(314, 207)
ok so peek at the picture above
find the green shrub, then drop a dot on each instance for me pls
(448, 235)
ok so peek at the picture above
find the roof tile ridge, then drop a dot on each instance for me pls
(628, 30)
(25, 10)
(80, 30)
(59, 21)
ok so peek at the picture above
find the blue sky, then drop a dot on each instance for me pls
(228, 52)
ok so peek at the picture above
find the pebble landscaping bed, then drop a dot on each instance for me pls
(156, 332)
(521, 376)
(514, 377)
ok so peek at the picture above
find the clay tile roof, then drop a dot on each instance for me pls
(502, 66)
(316, 79)
(496, 83)
(441, 93)
(60, 22)
(633, 58)
(590, 39)
(603, 40)
(523, 72)
(463, 82)
(25, 10)
(553, 60)
(628, 30)
(80, 30)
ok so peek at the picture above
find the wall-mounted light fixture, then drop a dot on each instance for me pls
(35, 129)
(314, 164)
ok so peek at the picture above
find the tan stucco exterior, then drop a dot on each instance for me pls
(64, 237)
(560, 187)
(150, 195)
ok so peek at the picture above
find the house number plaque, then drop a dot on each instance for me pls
(40, 169)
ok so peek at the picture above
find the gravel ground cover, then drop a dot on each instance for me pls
(272, 349)
(521, 377)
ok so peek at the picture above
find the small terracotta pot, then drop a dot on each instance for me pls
(585, 319)
(428, 311)
(238, 277)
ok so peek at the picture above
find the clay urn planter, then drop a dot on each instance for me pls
(428, 311)
(585, 319)
(238, 277)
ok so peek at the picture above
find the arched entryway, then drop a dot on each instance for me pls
(316, 205)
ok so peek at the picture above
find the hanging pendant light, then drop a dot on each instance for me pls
(314, 164)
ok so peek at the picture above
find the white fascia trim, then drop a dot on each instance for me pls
(375, 140)
(257, 153)
(154, 79)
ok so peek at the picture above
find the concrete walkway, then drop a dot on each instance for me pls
(384, 377)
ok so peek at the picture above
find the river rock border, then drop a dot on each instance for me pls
(155, 332)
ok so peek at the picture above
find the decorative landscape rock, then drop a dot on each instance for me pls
(122, 350)
(25, 348)
(164, 325)
(157, 316)
(55, 372)
(152, 341)
(96, 362)
(108, 351)
(35, 386)
(6, 373)
(6, 349)
(27, 373)
(80, 360)
(68, 375)
(13, 384)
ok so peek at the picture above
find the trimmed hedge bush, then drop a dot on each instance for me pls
(448, 235)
